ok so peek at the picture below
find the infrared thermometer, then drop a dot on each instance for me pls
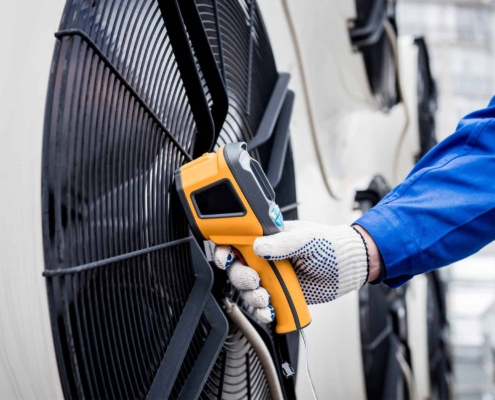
(228, 199)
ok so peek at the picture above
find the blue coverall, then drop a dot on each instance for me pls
(445, 209)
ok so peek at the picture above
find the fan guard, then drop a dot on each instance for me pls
(383, 322)
(368, 35)
(137, 88)
(427, 100)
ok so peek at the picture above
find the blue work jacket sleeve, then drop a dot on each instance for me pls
(444, 210)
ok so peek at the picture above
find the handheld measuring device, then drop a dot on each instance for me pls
(228, 200)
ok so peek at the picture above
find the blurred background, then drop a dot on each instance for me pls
(460, 36)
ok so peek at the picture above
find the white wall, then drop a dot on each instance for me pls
(356, 141)
(27, 360)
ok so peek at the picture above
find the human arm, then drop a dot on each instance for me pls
(445, 209)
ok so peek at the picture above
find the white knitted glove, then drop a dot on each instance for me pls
(329, 261)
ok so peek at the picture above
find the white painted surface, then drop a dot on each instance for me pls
(357, 141)
(28, 367)
(416, 298)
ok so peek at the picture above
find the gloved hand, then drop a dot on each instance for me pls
(329, 261)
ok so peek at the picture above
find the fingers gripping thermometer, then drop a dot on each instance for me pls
(228, 200)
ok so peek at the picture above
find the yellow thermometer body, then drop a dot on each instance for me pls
(229, 201)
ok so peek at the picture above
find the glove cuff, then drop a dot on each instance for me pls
(353, 260)
(367, 255)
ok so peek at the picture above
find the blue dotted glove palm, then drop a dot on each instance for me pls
(329, 261)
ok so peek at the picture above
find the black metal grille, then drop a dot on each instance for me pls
(118, 320)
(285, 191)
(427, 100)
(382, 316)
(197, 343)
(381, 71)
(368, 36)
(119, 122)
(108, 164)
(237, 373)
(132, 96)
(241, 47)
(104, 164)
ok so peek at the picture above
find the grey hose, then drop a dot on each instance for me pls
(407, 372)
(259, 346)
(392, 37)
(307, 98)
(389, 30)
